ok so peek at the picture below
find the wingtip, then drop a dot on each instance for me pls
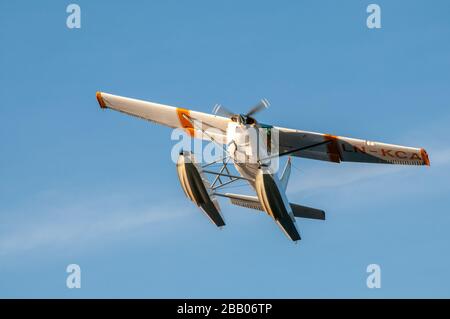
(100, 100)
(425, 158)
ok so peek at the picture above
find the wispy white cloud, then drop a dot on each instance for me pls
(58, 219)
(78, 223)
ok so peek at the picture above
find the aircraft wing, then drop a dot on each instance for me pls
(338, 149)
(194, 123)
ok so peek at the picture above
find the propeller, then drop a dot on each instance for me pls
(245, 118)
(262, 105)
(222, 111)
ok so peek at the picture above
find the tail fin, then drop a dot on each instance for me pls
(286, 174)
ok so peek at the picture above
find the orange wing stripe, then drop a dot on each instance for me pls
(185, 123)
(332, 149)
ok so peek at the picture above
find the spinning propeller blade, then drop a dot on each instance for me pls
(222, 111)
(263, 104)
(245, 118)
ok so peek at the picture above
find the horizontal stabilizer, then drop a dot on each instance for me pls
(307, 212)
(246, 201)
(252, 202)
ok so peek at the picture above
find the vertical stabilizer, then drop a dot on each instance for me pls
(286, 173)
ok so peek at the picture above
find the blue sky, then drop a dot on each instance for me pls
(97, 188)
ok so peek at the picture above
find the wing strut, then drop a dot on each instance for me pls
(295, 150)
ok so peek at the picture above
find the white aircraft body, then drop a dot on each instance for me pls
(252, 157)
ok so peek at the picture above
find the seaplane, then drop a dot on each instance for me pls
(251, 148)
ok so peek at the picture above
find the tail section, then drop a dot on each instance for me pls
(253, 202)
